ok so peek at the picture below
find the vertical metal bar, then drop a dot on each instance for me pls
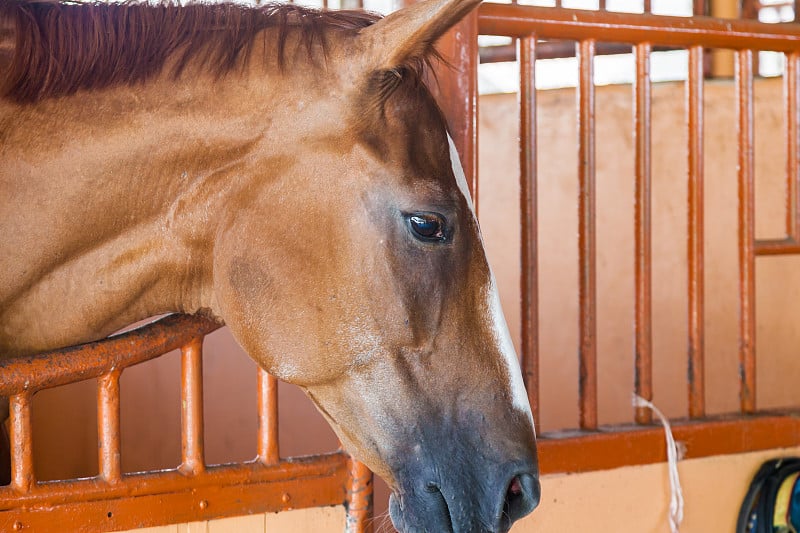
(268, 451)
(5, 443)
(587, 291)
(648, 8)
(699, 8)
(192, 449)
(21, 436)
(558, 3)
(642, 322)
(748, 9)
(601, 5)
(747, 326)
(722, 60)
(359, 499)
(792, 97)
(456, 91)
(695, 238)
(108, 426)
(528, 213)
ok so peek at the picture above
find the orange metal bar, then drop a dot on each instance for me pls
(228, 490)
(456, 90)
(574, 24)
(616, 447)
(268, 452)
(21, 436)
(792, 97)
(587, 351)
(180, 507)
(192, 449)
(557, 49)
(695, 230)
(108, 427)
(748, 9)
(92, 360)
(642, 317)
(777, 247)
(528, 209)
(359, 498)
(163, 481)
(747, 289)
(698, 8)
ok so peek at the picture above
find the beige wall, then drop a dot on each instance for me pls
(64, 419)
(636, 499)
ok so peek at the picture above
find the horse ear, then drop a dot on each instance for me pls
(411, 32)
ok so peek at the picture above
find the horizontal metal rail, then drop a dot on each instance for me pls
(174, 480)
(86, 361)
(170, 497)
(578, 25)
(556, 49)
(614, 447)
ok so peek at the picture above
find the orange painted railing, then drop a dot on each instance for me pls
(590, 447)
(114, 500)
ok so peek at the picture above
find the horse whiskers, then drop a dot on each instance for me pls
(383, 523)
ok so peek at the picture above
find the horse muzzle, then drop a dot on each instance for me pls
(459, 499)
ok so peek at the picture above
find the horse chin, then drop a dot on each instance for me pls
(434, 517)
(432, 514)
(469, 508)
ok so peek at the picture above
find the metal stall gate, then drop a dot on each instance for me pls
(590, 446)
(193, 491)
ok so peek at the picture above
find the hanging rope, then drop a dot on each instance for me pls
(673, 452)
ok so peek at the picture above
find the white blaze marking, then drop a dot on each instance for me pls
(458, 170)
(519, 396)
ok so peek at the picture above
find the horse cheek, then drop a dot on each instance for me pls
(245, 292)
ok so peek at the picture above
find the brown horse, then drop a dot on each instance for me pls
(286, 171)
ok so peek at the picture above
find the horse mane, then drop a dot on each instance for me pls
(60, 48)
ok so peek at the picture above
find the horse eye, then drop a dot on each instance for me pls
(429, 227)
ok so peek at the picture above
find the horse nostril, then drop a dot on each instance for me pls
(522, 497)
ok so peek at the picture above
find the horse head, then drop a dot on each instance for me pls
(365, 282)
(320, 210)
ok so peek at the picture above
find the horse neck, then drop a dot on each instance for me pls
(133, 183)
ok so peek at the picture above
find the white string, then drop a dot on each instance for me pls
(673, 452)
